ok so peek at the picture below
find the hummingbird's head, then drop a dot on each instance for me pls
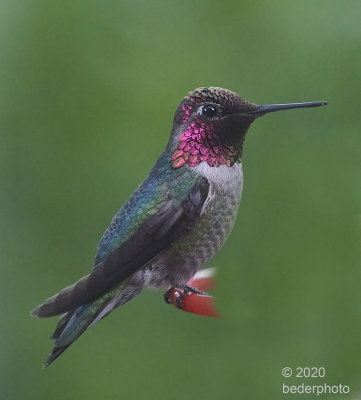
(210, 125)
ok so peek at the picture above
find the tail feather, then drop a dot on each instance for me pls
(75, 322)
(61, 324)
(57, 351)
(71, 326)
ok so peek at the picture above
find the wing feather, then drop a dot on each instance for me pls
(151, 238)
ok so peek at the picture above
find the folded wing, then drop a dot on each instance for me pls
(151, 238)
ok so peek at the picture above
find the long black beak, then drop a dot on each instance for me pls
(267, 108)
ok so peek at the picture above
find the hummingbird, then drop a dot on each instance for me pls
(176, 220)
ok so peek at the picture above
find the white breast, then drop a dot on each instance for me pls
(221, 176)
(226, 182)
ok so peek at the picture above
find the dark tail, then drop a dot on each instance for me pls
(75, 322)
(57, 351)
(69, 327)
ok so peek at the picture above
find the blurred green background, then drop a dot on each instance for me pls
(88, 92)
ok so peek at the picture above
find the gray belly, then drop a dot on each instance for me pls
(177, 265)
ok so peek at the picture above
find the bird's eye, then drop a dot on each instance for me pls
(209, 111)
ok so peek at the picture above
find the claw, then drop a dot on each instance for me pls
(195, 290)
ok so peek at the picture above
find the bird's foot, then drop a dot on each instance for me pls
(173, 292)
(187, 290)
